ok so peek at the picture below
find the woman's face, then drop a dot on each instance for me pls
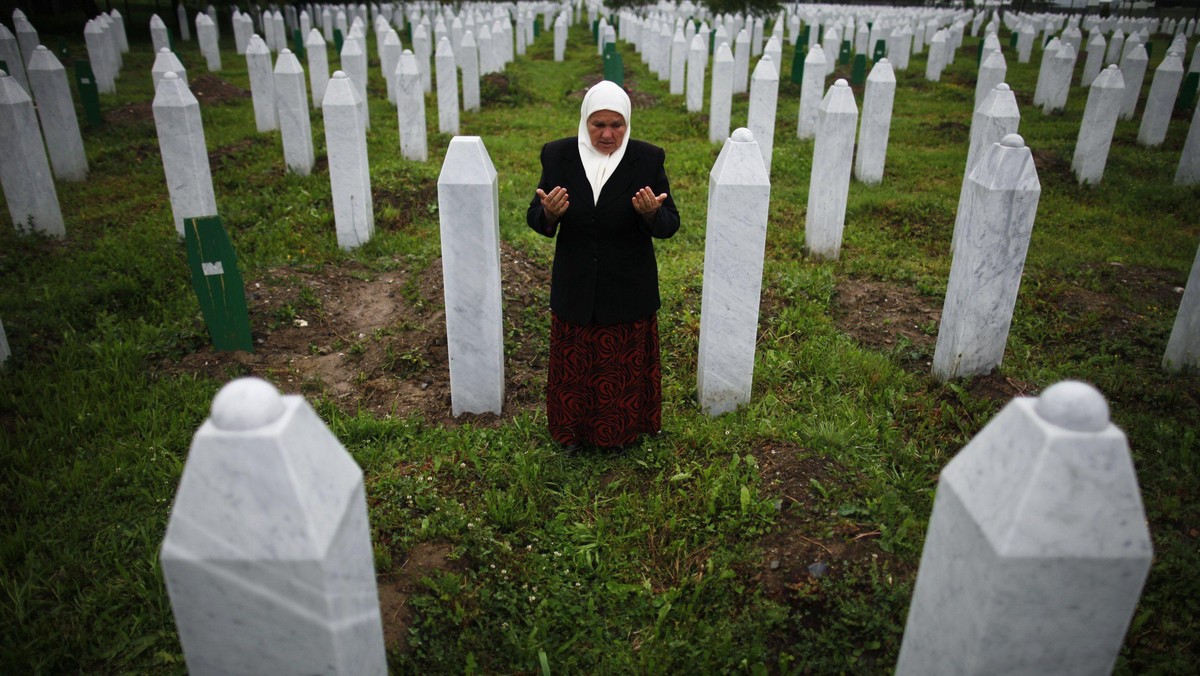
(607, 130)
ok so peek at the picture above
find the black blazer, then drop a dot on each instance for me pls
(604, 266)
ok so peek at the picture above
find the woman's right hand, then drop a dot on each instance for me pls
(554, 203)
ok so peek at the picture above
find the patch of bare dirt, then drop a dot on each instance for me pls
(409, 198)
(376, 341)
(395, 589)
(882, 315)
(209, 88)
(637, 98)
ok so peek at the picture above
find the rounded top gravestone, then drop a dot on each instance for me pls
(245, 404)
(1074, 405)
(1013, 141)
(742, 135)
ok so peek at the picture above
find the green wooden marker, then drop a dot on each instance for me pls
(171, 41)
(1012, 40)
(1187, 95)
(798, 56)
(537, 28)
(880, 50)
(979, 53)
(844, 53)
(338, 40)
(614, 67)
(218, 283)
(858, 73)
(89, 92)
(4, 66)
(298, 44)
(64, 52)
(595, 30)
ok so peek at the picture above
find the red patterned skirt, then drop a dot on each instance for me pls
(605, 382)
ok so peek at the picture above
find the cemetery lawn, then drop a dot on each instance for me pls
(781, 538)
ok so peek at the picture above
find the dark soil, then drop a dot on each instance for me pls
(208, 90)
(396, 588)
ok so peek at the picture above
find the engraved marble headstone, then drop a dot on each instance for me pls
(184, 155)
(741, 62)
(829, 184)
(1183, 347)
(992, 72)
(1037, 548)
(99, 51)
(1058, 84)
(410, 108)
(354, 64)
(166, 62)
(875, 124)
(996, 211)
(997, 117)
(764, 95)
(937, 57)
(291, 100)
(206, 35)
(10, 54)
(349, 169)
(739, 194)
(469, 212)
(1133, 69)
(25, 174)
(1043, 80)
(679, 51)
(1096, 47)
(1161, 100)
(267, 556)
(318, 66)
(1188, 171)
(390, 56)
(262, 84)
(55, 108)
(1099, 121)
(158, 34)
(447, 88)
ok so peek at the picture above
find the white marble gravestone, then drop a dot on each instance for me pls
(390, 50)
(1037, 548)
(206, 35)
(739, 194)
(447, 88)
(349, 169)
(5, 351)
(1164, 89)
(1133, 69)
(99, 51)
(679, 51)
(10, 54)
(875, 124)
(181, 14)
(992, 72)
(1104, 101)
(720, 105)
(1059, 74)
(267, 556)
(1183, 347)
(1188, 171)
(60, 126)
(1096, 47)
(741, 62)
(354, 65)
(1043, 81)
(262, 84)
(119, 26)
(997, 117)
(166, 62)
(158, 34)
(829, 184)
(291, 100)
(184, 155)
(243, 28)
(937, 57)
(764, 95)
(560, 37)
(995, 219)
(697, 59)
(469, 211)
(468, 61)
(812, 88)
(318, 66)
(25, 174)
(27, 37)
(410, 108)
(1115, 47)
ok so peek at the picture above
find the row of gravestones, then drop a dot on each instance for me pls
(1034, 558)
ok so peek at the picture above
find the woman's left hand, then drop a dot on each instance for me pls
(646, 203)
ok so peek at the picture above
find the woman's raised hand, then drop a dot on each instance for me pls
(646, 203)
(554, 203)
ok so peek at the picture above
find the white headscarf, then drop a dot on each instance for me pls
(604, 95)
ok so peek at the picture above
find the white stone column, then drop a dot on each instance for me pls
(291, 99)
(679, 50)
(721, 104)
(1133, 69)
(1037, 548)
(119, 26)
(560, 37)
(469, 211)
(468, 60)
(937, 57)
(875, 124)
(318, 66)
(1095, 59)
(166, 62)
(741, 62)
(739, 195)
(410, 108)
(447, 88)
(1062, 67)
(184, 154)
(10, 53)
(1160, 101)
(206, 35)
(391, 50)
(27, 38)
(992, 72)
(181, 14)
(1099, 121)
(354, 64)
(997, 117)
(829, 185)
(1025, 39)
(812, 88)
(349, 168)
(1043, 81)
(267, 556)
(100, 56)
(697, 60)
(24, 171)
(1183, 347)
(158, 34)
(48, 79)
(1115, 47)
(262, 84)
(764, 96)
(1188, 171)
(995, 219)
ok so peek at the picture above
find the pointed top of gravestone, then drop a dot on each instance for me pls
(1012, 140)
(314, 39)
(740, 163)
(246, 404)
(468, 39)
(392, 38)
(1110, 78)
(443, 47)
(1003, 86)
(1074, 405)
(995, 61)
(92, 27)
(816, 55)
(724, 53)
(1138, 53)
(352, 47)
(765, 70)
(841, 82)
(340, 91)
(173, 92)
(43, 60)
(467, 163)
(257, 46)
(1171, 62)
(11, 92)
(288, 64)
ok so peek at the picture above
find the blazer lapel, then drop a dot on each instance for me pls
(618, 184)
(576, 176)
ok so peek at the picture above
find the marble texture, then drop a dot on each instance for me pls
(354, 65)
(1115, 49)
(1133, 69)
(262, 84)
(206, 35)
(447, 88)
(1164, 89)
(830, 44)
(27, 37)
(25, 176)
(390, 50)
(468, 60)
(349, 168)
(184, 155)
(1188, 171)
(10, 54)
(720, 106)
(1183, 347)
(243, 28)
(875, 123)
(741, 62)
(697, 60)
(1025, 40)
(158, 34)
(739, 195)
(1058, 84)
(99, 52)
(679, 50)
(560, 37)
(469, 212)
(1105, 96)
(997, 117)
(267, 556)
(291, 100)
(996, 211)
(1037, 548)
(410, 108)
(764, 97)
(993, 71)
(318, 66)
(1096, 48)
(1043, 81)
(119, 27)
(166, 62)
(936, 62)
(182, 21)
(56, 110)
(812, 88)
(829, 185)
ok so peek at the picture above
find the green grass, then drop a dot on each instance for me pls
(648, 562)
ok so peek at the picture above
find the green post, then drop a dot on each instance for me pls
(1187, 95)
(1149, 50)
(979, 53)
(880, 50)
(614, 67)
(298, 44)
(844, 53)
(537, 27)
(89, 93)
(858, 73)
(595, 31)
(171, 41)
(217, 283)
(4, 66)
(64, 52)
(798, 57)
(1012, 40)
(338, 40)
